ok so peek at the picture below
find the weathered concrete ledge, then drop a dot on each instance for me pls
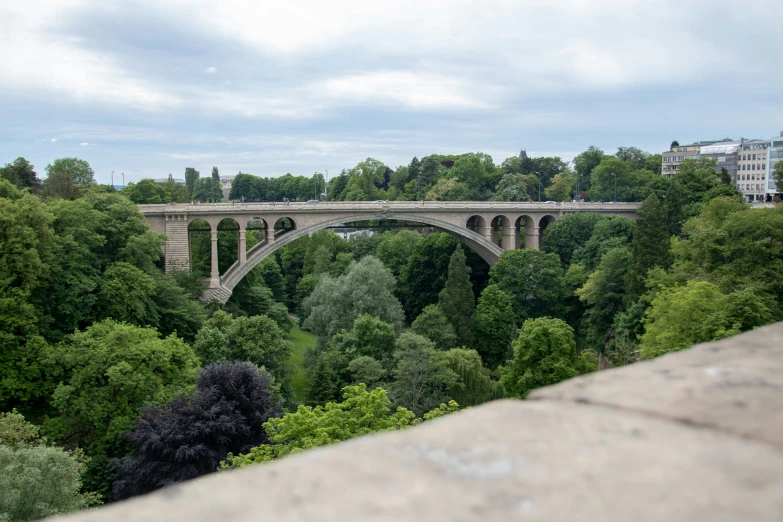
(696, 436)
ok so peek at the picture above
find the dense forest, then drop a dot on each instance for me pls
(116, 380)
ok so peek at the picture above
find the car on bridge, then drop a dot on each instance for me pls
(312, 201)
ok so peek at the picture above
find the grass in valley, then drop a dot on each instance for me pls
(301, 341)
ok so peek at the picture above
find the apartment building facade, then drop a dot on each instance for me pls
(752, 173)
(672, 159)
(748, 162)
(774, 155)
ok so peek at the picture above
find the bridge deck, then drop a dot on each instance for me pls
(461, 206)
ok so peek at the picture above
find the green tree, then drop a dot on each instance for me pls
(425, 274)
(611, 173)
(615, 232)
(603, 293)
(245, 187)
(360, 413)
(304, 288)
(495, 328)
(191, 176)
(673, 207)
(22, 349)
(421, 375)
(21, 173)
(77, 169)
(734, 247)
(544, 354)
(777, 174)
(534, 280)
(478, 172)
(205, 190)
(105, 374)
(635, 157)
(323, 384)
(473, 385)
(433, 324)
(256, 339)
(369, 336)
(448, 189)
(428, 173)
(562, 187)
(26, 238)
(125, 295)
(335, 303)
(273, 278)
(217, 193)
(584, 164)
(695, 180)
(177, 311)
(512, 187)
(566, 235)
(364, 180)
(37, 480)
(40, 481)
(59, 184)
(650, 246)
(322, 258)
(511, 165)
(175, 192)
(368, 371)
(457, 300)
(146, 191)
(698, 312)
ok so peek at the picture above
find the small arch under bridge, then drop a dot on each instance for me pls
(487, 227)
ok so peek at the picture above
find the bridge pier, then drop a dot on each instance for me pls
(214, 276)
(531, 237)
(486, 232)
(510, 239)
(242, 254)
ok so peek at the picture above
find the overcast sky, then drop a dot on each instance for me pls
(151, 87)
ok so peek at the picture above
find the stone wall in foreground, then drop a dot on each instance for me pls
(696, 435)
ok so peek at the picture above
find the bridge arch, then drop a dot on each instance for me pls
(543, 222)
(489, 252)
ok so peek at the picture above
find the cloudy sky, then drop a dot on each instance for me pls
(151, 87)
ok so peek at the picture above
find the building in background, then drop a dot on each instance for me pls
(225, 185)
(724, 154)
(672, 159)
(749, 163)
(752, 173)
(774, 155)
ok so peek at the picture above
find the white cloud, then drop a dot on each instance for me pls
(54, 140)
(36, 58)
(535, 46)
(84, 144)
(191, 156)
(210, 70)
(416, 90)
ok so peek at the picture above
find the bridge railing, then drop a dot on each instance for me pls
(391, 205)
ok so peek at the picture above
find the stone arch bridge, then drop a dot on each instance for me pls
(486, 227)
